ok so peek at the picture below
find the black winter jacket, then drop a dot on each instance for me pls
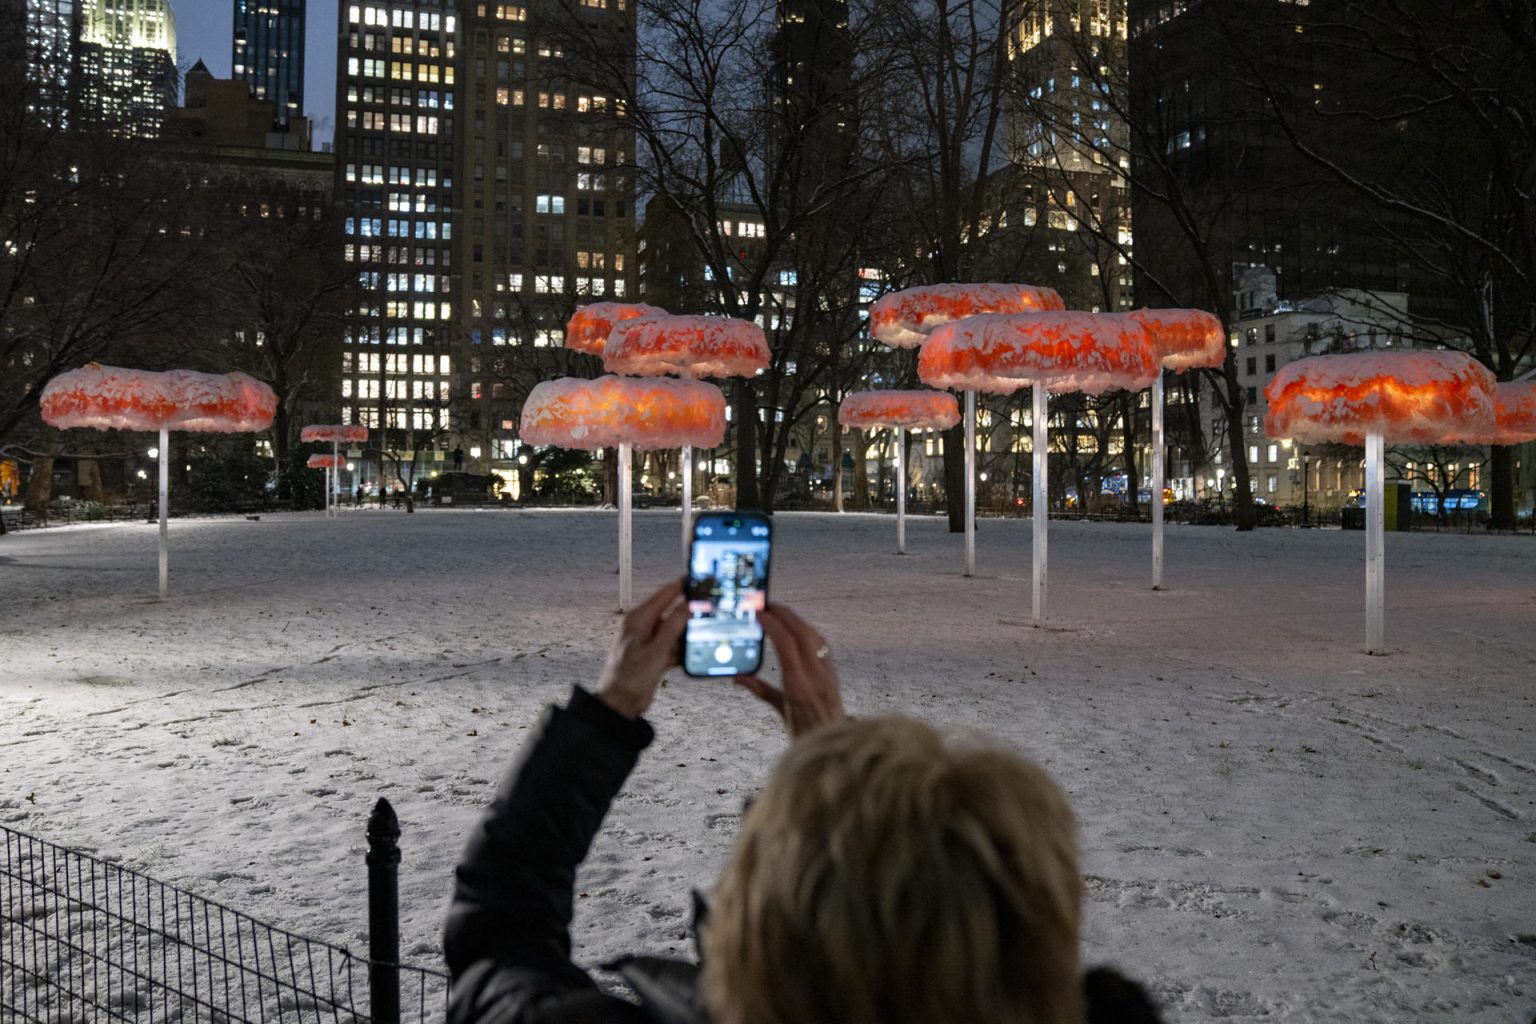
(508, 936)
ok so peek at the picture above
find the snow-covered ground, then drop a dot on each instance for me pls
(1275, 826)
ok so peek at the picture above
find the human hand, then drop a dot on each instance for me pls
(647, 645)
(810, 696)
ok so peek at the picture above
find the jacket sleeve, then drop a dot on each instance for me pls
(508, 932)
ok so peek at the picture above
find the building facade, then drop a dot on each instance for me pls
(485, 193)
(395, 193)
(127, 78)
(269, 52)
(39, 49)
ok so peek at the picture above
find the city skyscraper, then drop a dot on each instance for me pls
(269, 52)
(127, 65)
(396, 195)
(39, 52)
(484, 195)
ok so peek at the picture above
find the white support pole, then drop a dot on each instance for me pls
(626, 528)
(685, 467)
(165, 505)
(335, 478)
(1157, 482)
(970, 483)
(901, 490)
(1375, 545)
(1041, 507)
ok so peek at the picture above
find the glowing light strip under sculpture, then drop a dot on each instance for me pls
(688, 346)
(111, 398)
(1413, 397)
(903, 319)
(323, 462)
(588, 329)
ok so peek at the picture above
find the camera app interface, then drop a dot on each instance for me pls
(728, 587)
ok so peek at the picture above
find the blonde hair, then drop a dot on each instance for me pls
(884, 877)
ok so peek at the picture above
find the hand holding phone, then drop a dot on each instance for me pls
(726, 590)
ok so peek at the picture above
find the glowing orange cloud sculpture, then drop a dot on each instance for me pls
(589, 326)
(324, 462)
(1407, 397)
(337, 433)
(646, 412)
(1514, 415)
(108, 398)
(871, 410)
(904, 319)
(688, 346)
(1184, 338)
(1092, 352)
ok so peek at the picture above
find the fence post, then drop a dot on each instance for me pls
(384, 914)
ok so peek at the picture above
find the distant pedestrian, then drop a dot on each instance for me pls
(357, 502)
(458, 459)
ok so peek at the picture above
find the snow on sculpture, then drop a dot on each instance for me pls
(588, 329)
(871, 410)
(337, 433)
(644, 412)
(1061, 351)
(1514, 414)
(1184, 338)
(1406, 397)
(111, 398)
(688, 346)
(904, 319)
(922, 410)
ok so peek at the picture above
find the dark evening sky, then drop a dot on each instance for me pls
(203, 30)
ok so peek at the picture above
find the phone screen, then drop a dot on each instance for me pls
(727, 587)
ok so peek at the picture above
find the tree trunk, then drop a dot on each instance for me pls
(610, 476)
(861, 472)
(1129, 405)
(1245, 514)
(40, 484)
(280, 449)
(747, 494)
(1501, 471)
(954, 476)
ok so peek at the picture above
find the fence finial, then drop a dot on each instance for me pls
(384, 914)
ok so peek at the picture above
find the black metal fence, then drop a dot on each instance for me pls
(83, 939)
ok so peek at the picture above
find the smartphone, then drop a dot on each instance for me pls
(727, 587)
